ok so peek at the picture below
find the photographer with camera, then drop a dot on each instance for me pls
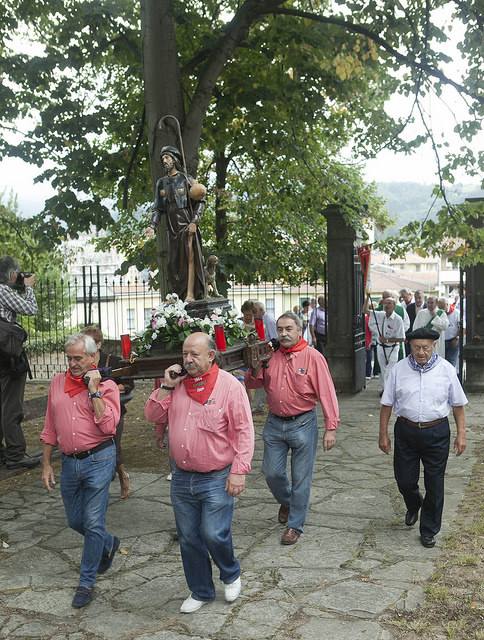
(16, 297)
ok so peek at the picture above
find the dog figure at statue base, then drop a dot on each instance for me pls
(211, 290)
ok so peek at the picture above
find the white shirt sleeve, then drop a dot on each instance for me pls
(406, 320)
(440, 323)
(389, 394)
(457, 397)
(402, 329)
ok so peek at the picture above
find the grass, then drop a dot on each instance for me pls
(454, 595)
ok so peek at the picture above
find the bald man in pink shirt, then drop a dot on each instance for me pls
(296, 378)
(211, 444)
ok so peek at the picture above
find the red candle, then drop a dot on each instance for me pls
(220, 341)
(259, 327)
(125, 346)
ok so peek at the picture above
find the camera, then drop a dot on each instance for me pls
(19, 284)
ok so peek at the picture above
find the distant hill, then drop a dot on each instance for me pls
(407, 201)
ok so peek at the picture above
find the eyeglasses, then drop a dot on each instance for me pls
(419, 349)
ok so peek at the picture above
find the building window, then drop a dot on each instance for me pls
(147, 315)
(271, 306)
(130, 319)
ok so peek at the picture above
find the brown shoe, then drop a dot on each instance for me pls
(283, 514)
(290, 536)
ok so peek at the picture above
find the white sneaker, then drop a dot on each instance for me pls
(190, 605)
(232, 590)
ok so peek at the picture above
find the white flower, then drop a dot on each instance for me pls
(161, 323)
(154, 335)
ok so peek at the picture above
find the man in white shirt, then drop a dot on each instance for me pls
(436, 319)
(391, 332)
(451, 334)
(421, 390)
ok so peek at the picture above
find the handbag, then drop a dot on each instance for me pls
(12, 338)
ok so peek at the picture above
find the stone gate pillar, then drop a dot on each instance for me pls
(345, 350)
(474, 314)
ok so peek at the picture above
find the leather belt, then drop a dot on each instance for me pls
(422, 425)
(84, 454)
(286, 418)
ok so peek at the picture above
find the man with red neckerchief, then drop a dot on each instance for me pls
(211, 444)
(81, 418)
(297, 377)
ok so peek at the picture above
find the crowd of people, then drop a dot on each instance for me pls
(389, 323)
(211, 431)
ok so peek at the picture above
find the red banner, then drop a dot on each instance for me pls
(364, 253)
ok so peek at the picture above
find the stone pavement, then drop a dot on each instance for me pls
(355, 561)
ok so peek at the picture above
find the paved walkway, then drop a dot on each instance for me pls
(356, 560)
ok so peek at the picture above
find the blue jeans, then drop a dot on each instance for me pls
(301, 437)
(85, 492)
(203, 514)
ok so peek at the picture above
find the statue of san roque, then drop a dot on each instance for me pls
(181, 199)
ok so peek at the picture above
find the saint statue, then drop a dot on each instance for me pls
(181, 199)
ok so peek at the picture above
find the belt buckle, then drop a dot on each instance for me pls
(420, 425)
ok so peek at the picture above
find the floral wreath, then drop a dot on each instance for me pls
(170, 324)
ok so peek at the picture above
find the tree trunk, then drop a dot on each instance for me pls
(221, 165)
(163, 96)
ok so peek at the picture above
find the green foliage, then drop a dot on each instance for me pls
(295, 93)
(461, 237)
(17, 240)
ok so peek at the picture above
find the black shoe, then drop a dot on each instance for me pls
(82, 597)
(427, 541)
(107, 561)
(411, 517)
(24, 463)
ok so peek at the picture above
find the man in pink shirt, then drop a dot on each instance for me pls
(81, 420)
(297, 377)
(211, 445)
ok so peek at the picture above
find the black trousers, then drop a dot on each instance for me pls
(12, 441)
(320, 342)
(431, 447)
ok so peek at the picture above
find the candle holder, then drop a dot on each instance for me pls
(259, 327)
(220, 341)
(125, 346)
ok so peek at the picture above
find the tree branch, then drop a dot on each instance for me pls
(234, 34)
(402, 58)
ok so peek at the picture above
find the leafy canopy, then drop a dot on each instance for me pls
(304, 81)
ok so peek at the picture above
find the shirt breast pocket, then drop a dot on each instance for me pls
(212, 419)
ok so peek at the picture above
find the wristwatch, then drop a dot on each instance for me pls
(95, 394)
(166, 387)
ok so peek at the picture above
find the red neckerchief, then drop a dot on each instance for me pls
(74, 384)
(451, 309)
(299, 346)
(200, 388)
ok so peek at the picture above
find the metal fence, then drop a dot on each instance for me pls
(124, 306)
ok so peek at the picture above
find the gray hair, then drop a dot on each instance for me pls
(88, 342)
(7, 265)
(291, 316)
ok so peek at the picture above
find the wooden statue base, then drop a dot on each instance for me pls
(251, 353)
